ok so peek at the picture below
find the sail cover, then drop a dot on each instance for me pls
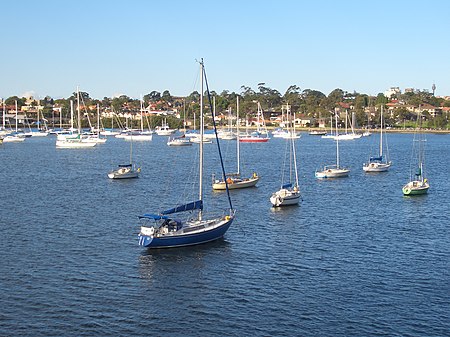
(183, 208)
(153, 216)
(380, 158)
(286, 185)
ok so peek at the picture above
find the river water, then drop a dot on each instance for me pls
(355, 258)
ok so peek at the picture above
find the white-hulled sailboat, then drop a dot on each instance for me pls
(380, 163)
(333, 171)
(289, 193)
(162, 230)
(126, 171)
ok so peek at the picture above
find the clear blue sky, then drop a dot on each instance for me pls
(134, 47)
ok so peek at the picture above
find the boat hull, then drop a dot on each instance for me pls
(179, 142)
(245, 183)
(347, 137)
(13, 139)
(138, 137)
(128, 175)
(67, 144)
(253, 140)
(213, 233)
(415, 188)
(332, 173)
(376, 167)
(285, 197)
(165, 132)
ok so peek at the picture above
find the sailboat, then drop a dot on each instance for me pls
(139, 135)
(234, 181)
(346, 135)
(126, 171)
(14, 137)
(180, 140)
(281, 131)
(94, 134)
(161, 230)
(333, 171)
(418, 184)
(40, 132)
(260, 135)
(228, 134)
(380, 163)
(164, 129)
(289, 193)
(290, 132)
(72, 141)
(331, 134)
(110, 131)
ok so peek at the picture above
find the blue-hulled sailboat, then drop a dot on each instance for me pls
(380, 163)
(163, 230)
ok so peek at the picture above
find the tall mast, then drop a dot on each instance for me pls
(112, 120)
(184, 116)
(71, 116)
(200, 196)
(16, 115)
(337, 143)
(238, 150)
(381, 132)
(346, 118)
(142, 115)
(293, 151)
(3, 114)
(78, 111)
(98, 119)
(38, 123)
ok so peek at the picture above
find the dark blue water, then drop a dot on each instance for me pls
(356, 258)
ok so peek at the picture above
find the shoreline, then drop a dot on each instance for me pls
(303, 129)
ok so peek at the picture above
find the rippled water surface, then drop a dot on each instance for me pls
(356, 258)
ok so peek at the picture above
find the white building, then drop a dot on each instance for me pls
(392, 91)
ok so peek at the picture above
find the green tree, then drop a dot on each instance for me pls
(167, 97)
(11, 101)
(270, 97)
(154, 97)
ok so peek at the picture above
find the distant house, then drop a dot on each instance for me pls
(392, 91)
(432, 110)
(343, 105)
(305, 121)
(322, 122)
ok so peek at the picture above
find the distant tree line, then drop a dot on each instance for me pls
(307, 102)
